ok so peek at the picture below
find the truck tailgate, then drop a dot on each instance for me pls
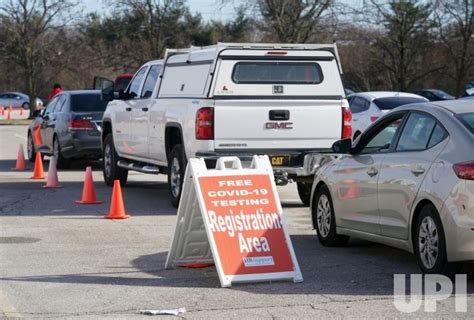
(277, 124)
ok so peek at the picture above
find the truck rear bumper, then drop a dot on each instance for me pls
(300, 163)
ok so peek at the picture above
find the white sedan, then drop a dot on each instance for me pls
(367, 107)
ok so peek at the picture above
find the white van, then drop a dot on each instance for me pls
(283, 100)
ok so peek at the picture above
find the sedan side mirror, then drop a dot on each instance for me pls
(342, 146)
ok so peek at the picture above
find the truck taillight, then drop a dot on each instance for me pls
(464, 170)
(80, 124)
(346, 123)
(205, 124)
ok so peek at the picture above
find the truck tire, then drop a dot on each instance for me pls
(110, 169)
(176, 170)
(304, 191)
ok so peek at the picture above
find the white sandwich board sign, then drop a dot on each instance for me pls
(232, 217)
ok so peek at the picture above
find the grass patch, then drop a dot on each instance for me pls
(15, 122)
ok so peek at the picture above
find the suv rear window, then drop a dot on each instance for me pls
(390, 103)
(87, 102)
(468, 120)
(277, 72)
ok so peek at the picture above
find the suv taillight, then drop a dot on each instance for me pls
(80, 124)
(346, 123)
(464, 170)
(205, 124)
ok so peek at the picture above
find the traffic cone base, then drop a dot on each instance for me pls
(88, 202)
(53, 187)
(117, 209)
(126, 216)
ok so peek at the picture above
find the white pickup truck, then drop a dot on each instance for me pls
(282, 100)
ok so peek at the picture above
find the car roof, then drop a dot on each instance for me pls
(14, 92)
(74, 92)
(372, 95)
(457, 106)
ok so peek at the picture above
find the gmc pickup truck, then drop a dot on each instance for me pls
(231, 99)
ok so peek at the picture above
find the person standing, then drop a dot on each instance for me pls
(56, 89)
(469, 87)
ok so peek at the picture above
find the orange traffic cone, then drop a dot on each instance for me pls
(2, 110)
(38, 173)
(88, 191)
(117, 209)
(52, 181)
(9, 115)
(20, 160)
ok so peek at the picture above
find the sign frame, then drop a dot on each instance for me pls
(189, 227)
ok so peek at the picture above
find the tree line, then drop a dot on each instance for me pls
(383, 44)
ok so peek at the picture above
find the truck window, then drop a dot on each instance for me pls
(134, 87)
(150, 81)
(277, 72)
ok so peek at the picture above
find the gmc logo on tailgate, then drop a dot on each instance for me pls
(279, 125)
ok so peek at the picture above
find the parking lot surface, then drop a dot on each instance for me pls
(59, 259)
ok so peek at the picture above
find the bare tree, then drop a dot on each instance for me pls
(292, 21)
(456, 31)
(405, 43)
(28, 26)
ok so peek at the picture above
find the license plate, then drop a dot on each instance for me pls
(281, 160)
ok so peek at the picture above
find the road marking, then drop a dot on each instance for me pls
(19, 136)
(8, 309)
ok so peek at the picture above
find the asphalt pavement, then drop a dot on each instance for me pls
(59, 259)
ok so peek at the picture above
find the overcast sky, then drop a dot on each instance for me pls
(210, 9)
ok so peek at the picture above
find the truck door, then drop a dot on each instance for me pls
(123, 131)
(141, 112)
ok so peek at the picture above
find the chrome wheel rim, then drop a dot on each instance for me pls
(323, 215)
(428, 242)
(107, 160)
(175, 178)
(30, 148)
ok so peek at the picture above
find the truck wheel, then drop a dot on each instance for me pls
(176, 170)
(61, 162)
(304, 191)
(110, 169)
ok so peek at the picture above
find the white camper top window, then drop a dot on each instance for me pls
(277, 73)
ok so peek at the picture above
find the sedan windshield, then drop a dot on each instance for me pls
(390, 103)
(468, 120)
(87, 102)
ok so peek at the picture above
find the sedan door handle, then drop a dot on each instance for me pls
(144, 109)
(128, 109)
(418, 171)
(372, 172)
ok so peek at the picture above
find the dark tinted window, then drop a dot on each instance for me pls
(277, 72)
(437, 136)
(416, 133)
(150, 81)
(87, 102)
(359, 105)
(390, 103)
(468, 120)
(121, 83)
